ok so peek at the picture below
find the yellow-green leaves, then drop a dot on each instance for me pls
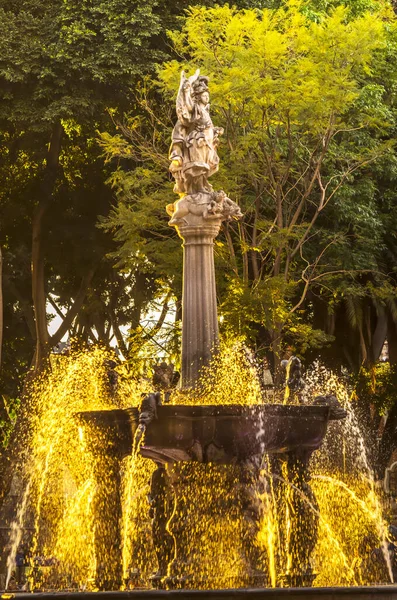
(264, 63)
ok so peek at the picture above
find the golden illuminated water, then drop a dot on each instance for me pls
(68, 489)
(231, 379)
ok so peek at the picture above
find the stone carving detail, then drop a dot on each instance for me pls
(165, 378)
(163, 375)
(194, 158)
(206, 205)
(147, 414)
(148, 408)
(293, 372)
(193, 152)
(336, 412)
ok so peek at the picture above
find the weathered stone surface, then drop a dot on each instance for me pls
(197, 216)
(219, 434)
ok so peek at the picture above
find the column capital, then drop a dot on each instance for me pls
(202, 210)
(199, 234)
(198, 217)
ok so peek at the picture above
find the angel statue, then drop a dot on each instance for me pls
(193, 152)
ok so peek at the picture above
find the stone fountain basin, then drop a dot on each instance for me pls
(218, 434)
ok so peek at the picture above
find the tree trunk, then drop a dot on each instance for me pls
(254, 253)
(13, 457)
(277, 349)
(379, 335)
(1, 305)
(392, 339)
(38, 278)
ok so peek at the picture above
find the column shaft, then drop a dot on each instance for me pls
(199, 310)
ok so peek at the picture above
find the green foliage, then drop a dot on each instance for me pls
(139, 224)
(301, 337)
(73, 63)
(305, 92)
(266, 305)
(306, 115)
(377, 386)
(64, 59)
(279, 63)
(8, 413)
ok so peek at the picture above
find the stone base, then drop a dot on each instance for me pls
(386, 592)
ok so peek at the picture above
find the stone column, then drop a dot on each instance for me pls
(197, 215)
(199, 310)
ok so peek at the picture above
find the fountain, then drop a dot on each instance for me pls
(194, 443)
(214, 486)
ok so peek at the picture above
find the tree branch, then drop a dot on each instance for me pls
(229, 241)
(159, 324)
(55, 307)
(74, 309)
(244, 251)
(119, 336)
(254, 256)
(325, 143)
(310, 279)
(38, 279)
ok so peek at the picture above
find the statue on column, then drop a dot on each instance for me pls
(194, 158)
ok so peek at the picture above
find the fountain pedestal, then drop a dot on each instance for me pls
(199, 310)
(102, 438)
(206, 522)
(107, 437)
(209, 460)
(297, 517)
(161, 501)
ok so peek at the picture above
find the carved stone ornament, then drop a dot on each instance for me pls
(194, 158)
(192, 209)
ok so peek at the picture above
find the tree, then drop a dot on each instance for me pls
(298, 91)
(63, 67)
(77, 65)
(73, 63)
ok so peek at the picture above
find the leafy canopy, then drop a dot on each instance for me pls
(279, 62)
(305, 93)
(305, 110)
(61, 59)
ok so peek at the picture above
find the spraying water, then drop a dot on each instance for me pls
(17, 533)
(69, 490)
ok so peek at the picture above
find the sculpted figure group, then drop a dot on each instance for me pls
(194, 158)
